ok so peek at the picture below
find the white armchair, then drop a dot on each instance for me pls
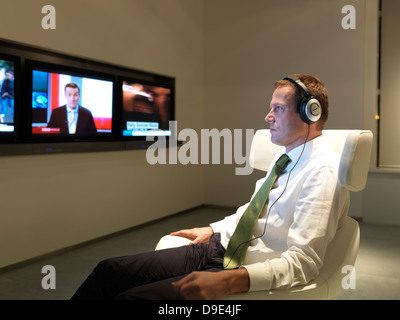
(354, 147)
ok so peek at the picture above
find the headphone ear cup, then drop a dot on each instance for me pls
(303, 112)
(310, 110)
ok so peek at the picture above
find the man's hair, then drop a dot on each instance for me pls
(316, 88)
(72, 85)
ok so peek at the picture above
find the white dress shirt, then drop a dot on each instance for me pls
(299, 225)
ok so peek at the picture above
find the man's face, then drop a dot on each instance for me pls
(72, 95)
(287, 128)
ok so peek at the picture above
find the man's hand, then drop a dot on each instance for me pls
(196, 235)
(212, 285)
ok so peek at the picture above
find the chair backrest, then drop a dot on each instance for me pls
(353, 146)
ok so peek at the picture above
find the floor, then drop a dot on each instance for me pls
(377, 267)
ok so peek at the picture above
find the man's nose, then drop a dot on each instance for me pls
(269, 117)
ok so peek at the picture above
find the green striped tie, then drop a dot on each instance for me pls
(240, 240)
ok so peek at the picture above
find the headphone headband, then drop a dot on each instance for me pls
(298, 83)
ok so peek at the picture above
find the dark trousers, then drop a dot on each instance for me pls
(149, 275)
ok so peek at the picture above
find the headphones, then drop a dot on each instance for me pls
(309, 108)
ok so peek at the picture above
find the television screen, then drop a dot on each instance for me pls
(70, 104)
(147, 109)
(7, 94)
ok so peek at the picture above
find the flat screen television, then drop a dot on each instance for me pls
(9, 79)
(69, 104)
(147, 108)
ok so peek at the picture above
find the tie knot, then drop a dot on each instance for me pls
(283, 161)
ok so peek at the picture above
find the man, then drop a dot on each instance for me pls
(72, 118)
(289, 239)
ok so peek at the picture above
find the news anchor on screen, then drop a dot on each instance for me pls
(72, 118)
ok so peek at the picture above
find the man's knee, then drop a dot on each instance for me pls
(107, 265)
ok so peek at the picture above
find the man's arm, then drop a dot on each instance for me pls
(86, 124)
(90, 126)
(213, 285)
(55, 114)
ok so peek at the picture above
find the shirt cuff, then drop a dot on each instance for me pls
(259, 276)
(217, 226)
